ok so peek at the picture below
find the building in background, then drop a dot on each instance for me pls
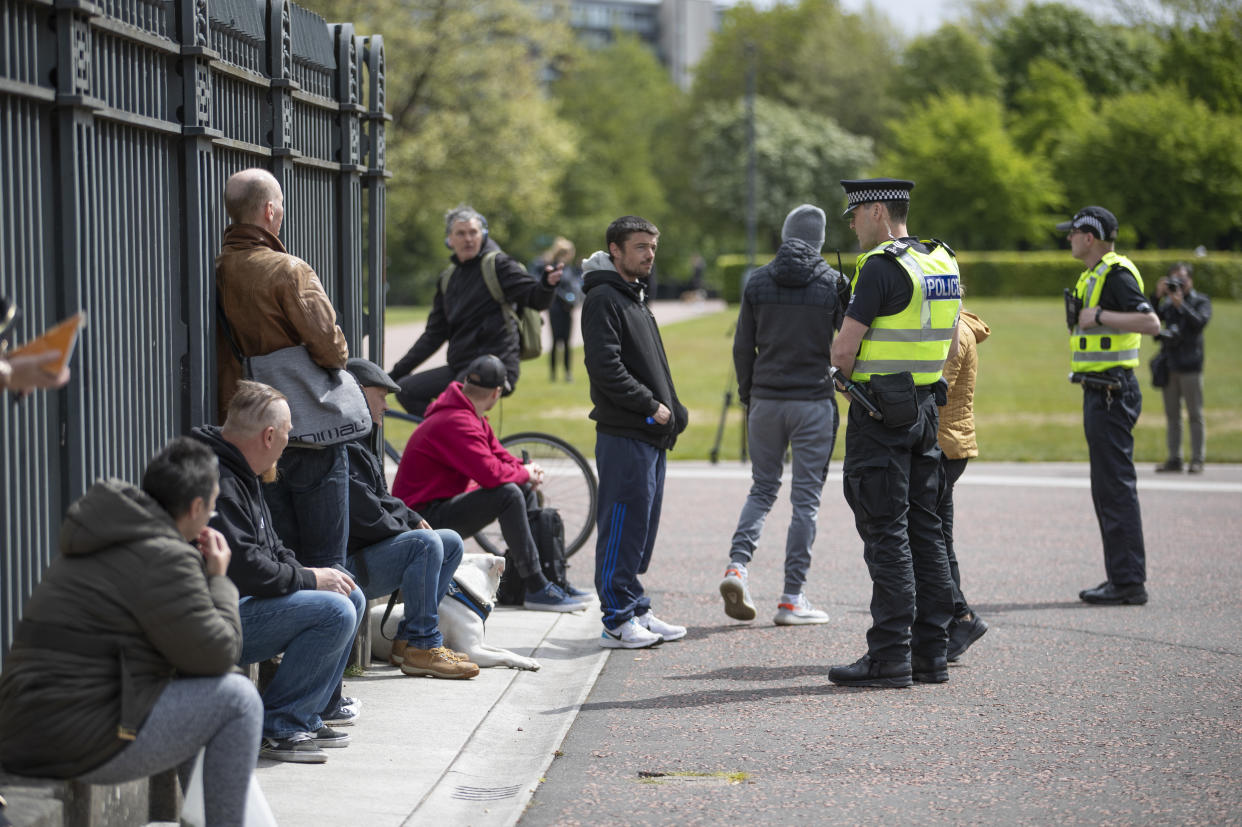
(678, 31)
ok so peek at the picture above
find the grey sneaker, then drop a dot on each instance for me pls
(798, 613)
(327, 737)
(738, 604)
(299, 748)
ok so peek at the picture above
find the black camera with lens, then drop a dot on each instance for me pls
(1173, 284)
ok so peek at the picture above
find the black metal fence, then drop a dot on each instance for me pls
(119, 122)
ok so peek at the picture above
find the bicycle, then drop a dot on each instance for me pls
(570, 485)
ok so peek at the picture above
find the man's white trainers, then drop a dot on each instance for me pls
(799, 612)
(656, 626)
(629, 635)
(738, 604)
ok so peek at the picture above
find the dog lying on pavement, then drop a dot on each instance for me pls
(462, 612)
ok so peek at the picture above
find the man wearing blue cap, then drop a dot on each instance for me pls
(1112, 317)
(900, 326)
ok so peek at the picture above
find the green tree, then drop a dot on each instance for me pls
(1207, 62)
(1046, 110)
(951, 59)
(800, 157)
(810, 56)
(616, 100)
(1107, 59)
(975, 188)
(471, 122)
(1169, 167)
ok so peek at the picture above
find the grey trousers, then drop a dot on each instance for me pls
(809, 427)
(1187, 386)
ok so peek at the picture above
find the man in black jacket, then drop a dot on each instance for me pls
(310, 614)
(392, 547)
(465, 315)
(1183, 312)
(782, 351)
(638, 418)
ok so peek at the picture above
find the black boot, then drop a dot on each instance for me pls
(868, 672)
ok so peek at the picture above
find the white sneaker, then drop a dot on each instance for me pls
(656, 626)
(738, 604)
(798, 613)
(629, 635)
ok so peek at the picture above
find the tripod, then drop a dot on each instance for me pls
(724, 409)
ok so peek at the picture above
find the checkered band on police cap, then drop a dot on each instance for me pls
(1098, 221)
(867, 190)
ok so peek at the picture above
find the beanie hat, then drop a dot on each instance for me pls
(805, 223)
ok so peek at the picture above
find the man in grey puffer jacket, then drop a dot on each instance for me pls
(790, 308)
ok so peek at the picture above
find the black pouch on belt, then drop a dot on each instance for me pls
(896, 398)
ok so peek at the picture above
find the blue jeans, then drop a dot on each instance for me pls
(421, 563)
(310, 503)
(631, 490)
(315, 630)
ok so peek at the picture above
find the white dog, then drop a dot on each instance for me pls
(462, 612)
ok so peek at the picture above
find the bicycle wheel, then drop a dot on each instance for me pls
(569, 485)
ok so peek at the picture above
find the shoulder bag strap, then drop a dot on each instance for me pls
(228, 331)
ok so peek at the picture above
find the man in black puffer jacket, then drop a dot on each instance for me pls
(638, 418)
(781, 351)
(464, 314)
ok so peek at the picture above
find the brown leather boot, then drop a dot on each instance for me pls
(437, 663)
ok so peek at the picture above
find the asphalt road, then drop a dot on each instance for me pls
(1062, 713)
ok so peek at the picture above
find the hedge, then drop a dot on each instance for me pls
(1042, 273)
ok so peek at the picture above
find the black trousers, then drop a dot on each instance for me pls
(470, 512)
(950, 472)
(418, 389)
(1108, 419)
(891, 480)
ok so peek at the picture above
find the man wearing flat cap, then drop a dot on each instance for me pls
(1112, 317)
(455, 447)
(392, 547)
(781, 348)
(900, 326)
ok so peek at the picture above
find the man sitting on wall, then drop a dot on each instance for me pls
(455, 446)
(310, 614)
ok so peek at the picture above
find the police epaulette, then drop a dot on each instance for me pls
(895, 248)
(946, 247)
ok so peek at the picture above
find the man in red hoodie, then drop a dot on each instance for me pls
(454, 447)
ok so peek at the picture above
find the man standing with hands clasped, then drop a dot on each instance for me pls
(900, 326)
(1112, 316)
(637, 419)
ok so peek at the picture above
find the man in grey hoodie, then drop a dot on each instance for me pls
(781, 351)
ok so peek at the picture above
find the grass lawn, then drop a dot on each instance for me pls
(1025, 407)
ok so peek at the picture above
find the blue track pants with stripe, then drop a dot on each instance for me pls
(631, 488)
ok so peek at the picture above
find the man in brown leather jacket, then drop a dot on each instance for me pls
(274, 300)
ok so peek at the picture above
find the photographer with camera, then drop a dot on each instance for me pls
(1183, 312)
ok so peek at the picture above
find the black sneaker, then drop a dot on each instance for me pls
(1171, 466)
(1113, 594)
(868, 672)
(328, 737)
(962, 633)
(929, 670)
(344, 715)
(299, 748)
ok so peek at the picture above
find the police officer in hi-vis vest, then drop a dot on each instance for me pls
(900, 327)
(1109, 316)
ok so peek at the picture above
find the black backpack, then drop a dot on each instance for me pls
(548, 530)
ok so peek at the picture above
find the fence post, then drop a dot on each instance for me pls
(349, 186)
(374, 181)
(198, 374)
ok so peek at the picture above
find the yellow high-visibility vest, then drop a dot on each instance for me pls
(1101, 348)
(918, 338)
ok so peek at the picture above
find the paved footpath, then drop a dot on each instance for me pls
(1061, 713)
